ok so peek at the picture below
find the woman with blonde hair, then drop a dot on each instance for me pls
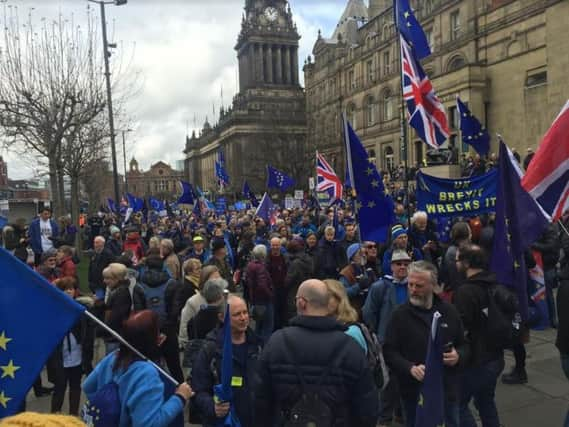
(339, 307)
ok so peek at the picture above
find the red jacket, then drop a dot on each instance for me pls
(68, 268)
(259, 283)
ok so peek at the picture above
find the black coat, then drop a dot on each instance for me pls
(299, 270)
(548, 245)
(97, 263)
(470, 299)
(562, 341)
(311, 345)
(406, 341)
(155, 278)
(206, 372)
(329, 259)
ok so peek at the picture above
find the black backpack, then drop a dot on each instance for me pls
(309, 410)
(503, 324)
(375, 358)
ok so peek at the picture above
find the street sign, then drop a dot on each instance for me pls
(311, 183)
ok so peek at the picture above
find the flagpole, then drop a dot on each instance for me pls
(404, 148)
(348, 150)
(129, 346)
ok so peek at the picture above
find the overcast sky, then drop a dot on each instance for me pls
(183, 50)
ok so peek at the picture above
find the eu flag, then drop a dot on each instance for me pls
(249, 194)
(34, 318)
(410, 29)
(187, 196)
(374, 208)
(277, 179)
(266, 210)
(221, 174)
(135, 203)
(430, 410)
(473, 133)
(519, 223)
(112, 205)
(223, 391)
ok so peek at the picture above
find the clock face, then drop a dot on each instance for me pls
(271, 13)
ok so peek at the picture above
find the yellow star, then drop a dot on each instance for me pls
(375, 183)
(371, 204)
(516, 265)
(406, 14)
(421, 401)
(358, 205)
(4, 340)
(9, 370)
(4, 399)
(369, 171)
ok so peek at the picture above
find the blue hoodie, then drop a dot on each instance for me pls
(141, 391)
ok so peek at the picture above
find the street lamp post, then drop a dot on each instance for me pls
(106, 55)
(124, 159)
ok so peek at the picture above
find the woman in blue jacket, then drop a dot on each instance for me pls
(140, 388)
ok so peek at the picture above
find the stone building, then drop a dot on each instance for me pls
(160, 181)
(266, 123)
(507, 59)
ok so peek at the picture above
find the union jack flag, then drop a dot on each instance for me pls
(547, 176)
(426, 113)
(327, 178)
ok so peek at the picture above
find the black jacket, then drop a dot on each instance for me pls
(329, 259)
(97, 263)
(562, 341)
(548, 245)
(406, 341)
(299, 270)
(206, 373)
(470, 299)
(114, 246)
(311, 345)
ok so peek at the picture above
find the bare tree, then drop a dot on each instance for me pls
(52, 95)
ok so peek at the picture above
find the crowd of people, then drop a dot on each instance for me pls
(304, 295)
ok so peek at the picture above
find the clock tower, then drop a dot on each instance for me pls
(267, 47)
(266, 123)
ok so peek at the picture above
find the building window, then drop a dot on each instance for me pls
(453, 117)
(351, 79)
(536, 77)
(371, 156)
(351, 113)
(387, 106)
(389, 159)
(429, 36)
(370, 75)
(455, 25)
(371, 111)
(386, 63)
(456, 63)
(428, 7)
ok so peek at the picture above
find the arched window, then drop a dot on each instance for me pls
(371, 110)
(351, 113)
(456, 63)
(387, 112)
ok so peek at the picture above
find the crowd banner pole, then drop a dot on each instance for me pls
(130, 347)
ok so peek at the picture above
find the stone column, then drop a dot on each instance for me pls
(294, 64)
(279, 65)
(269, 63)
(259, 63)
(287, 76)
(252, 67)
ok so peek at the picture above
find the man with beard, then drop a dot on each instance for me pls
(407, 338)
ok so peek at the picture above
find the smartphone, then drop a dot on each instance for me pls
(447, 347)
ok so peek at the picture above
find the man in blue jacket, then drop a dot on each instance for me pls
(42, 232)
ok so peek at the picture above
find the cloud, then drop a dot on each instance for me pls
(184, 50)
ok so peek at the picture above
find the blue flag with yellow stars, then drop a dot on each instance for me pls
(410, 29)
(34, 318)
(277, 179)
(519, 223)
(430, 410)
(373, 207)
(472, 131)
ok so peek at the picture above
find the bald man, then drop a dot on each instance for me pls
(315, 351)
(206, 370)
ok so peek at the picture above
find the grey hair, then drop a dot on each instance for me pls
(425, 267)
(213, 290)
(99, 239)
(417, 215)
(168, 244)
(259, 252)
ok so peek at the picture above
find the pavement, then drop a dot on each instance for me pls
(542, 402)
